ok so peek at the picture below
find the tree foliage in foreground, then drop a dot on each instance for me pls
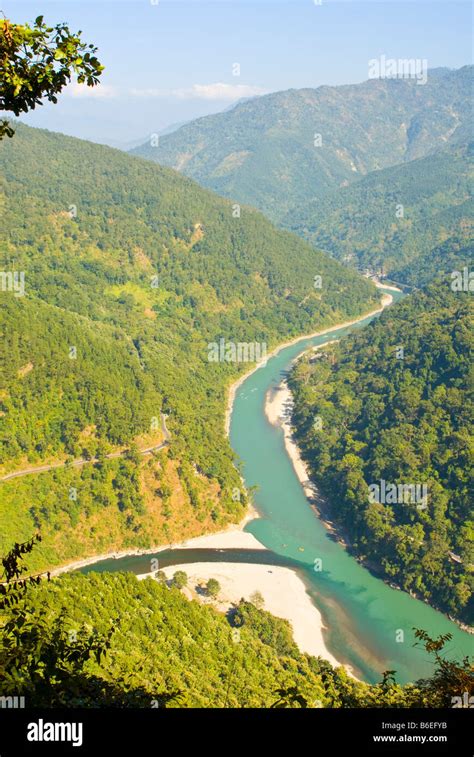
(37, 62)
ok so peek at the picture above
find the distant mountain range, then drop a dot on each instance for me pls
(266, 151)
(333, 163)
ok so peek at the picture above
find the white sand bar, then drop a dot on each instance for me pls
(283, 591)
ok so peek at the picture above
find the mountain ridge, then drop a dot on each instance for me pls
(263, 152)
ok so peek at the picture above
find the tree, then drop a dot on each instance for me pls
(36, 655)
(257, 600)
(288, 698)
(180, 579)
(160, 576)
(132, 454)
(37, 62)
(451, 678)
(213, 587)
(13, 587)
(43, 657)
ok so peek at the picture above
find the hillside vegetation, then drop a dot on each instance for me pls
(111, 640)
(402, 218)
(130, 272)
(394, 403)
(450, 258)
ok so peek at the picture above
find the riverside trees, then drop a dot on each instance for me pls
(395, 405)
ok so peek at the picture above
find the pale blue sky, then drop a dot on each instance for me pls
(172, 61)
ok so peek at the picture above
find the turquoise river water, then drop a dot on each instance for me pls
(362, 614)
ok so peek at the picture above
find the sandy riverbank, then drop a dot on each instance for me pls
(387, 286)
(232, 537)
(278, 409)
(283, 592)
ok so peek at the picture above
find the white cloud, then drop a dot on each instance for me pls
(150, 92)
(100, 91)
(218, 91)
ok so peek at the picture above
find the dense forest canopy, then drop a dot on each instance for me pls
(395, 405)
(112, 640)
(413, 220)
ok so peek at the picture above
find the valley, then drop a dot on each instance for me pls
(236, 402)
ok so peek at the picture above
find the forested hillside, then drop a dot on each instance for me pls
(111, 640)
(398, 217)
(454, 255)
(394, 404)
(130, 271)
(283, 150)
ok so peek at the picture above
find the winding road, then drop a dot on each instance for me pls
(82, 461)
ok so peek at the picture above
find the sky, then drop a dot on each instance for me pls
(169, 61)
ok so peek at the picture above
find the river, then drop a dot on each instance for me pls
(369, 624)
